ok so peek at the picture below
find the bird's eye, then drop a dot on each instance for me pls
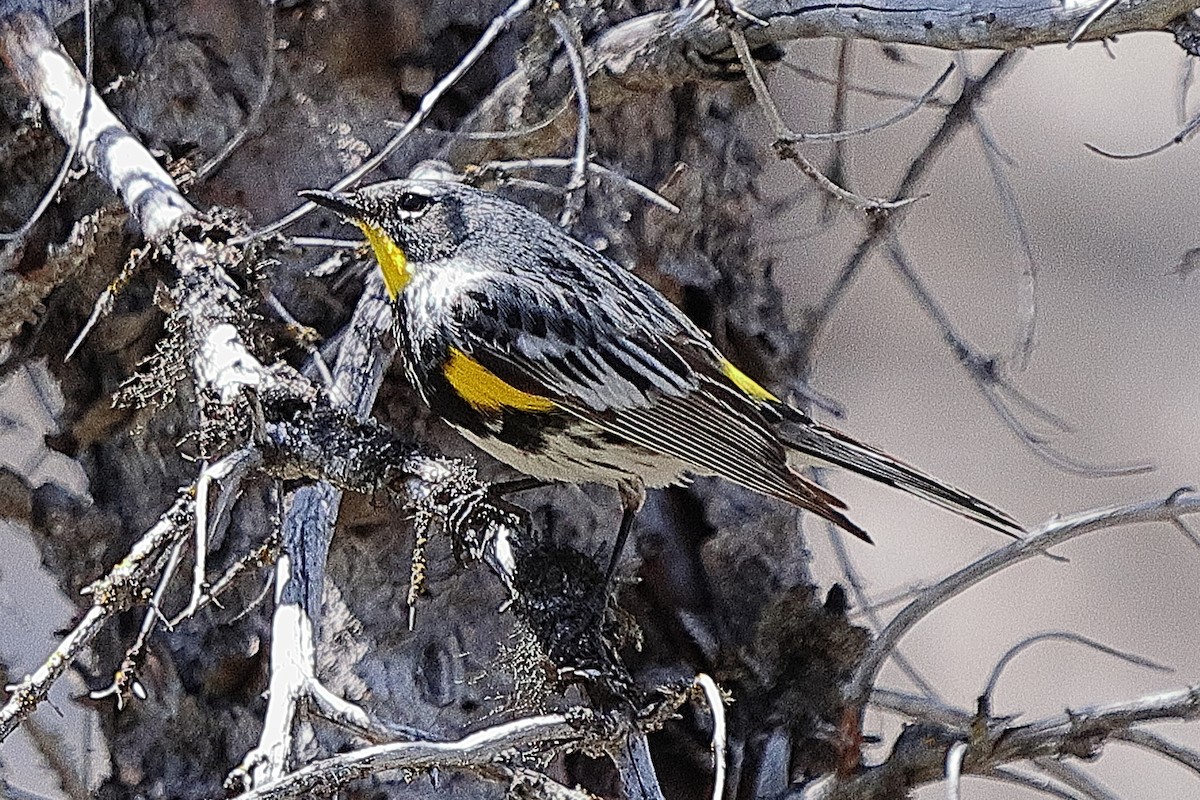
(413, 203)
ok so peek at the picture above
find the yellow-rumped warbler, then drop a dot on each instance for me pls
(563, 365)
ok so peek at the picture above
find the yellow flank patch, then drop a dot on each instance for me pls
(484, 391)
(746, 383)
(392, 261)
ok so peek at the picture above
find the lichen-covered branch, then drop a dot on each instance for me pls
(122, 588)
(919, 755)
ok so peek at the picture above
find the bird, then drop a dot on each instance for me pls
(567, 367)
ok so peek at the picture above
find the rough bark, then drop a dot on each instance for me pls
(724, 586)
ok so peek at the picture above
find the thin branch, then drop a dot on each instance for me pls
(1062, 636)
(125, 680)
(1103, 8)
(499, 168)
(786, 138)
(995, 742)
(233, 466)
(1075, 778)
(720, 739)
(497, 26)
(870, 610)
(973, 92)
(576, 188)
(987, 379)
(841, 135)
(954, 762)
(1049, 535)
(53, 749)
(119, 590)
(858, 88)
(639, 779)
(1157, 744)
(254, 118)
(1037, 783)
(1027, 331)
(37, 59)
(478, 750)
(836, 164)
(1186, 131)
(73, 142)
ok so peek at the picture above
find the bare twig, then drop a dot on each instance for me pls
(785, 138)
(37, 59)
(72, 142)
(858, 88)
(303, 336)
(984, 373)
(53, 749)
(125, 680)
(233, 466)
(1157, 744)
(501, 167)
(576, 188)
(1049, 535)
(254, 118)
(1062, 636)
(638, 777)
(838, 135)
(1074, 777)
(1027, 331)
(954, 762)
(1103, 8)
(871, 610)
(993, 743)
(716, 706)
(1036, 783)
(1186, 131)
(117, 591)
(478, 750)
(836, 164)
(497, 26)
(973, 92)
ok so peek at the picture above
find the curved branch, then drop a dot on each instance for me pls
(1049, 535)
(477, 750)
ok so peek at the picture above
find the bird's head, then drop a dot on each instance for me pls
(409, 223)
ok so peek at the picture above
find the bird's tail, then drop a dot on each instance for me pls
(818, 445)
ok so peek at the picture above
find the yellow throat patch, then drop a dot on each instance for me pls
(483, 391)
(746, 383)
(392, 261)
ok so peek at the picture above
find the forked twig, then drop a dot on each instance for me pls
(497, 26)
(987, 378)
(1063, 636)
(1049, 535)
(785, 139)
(576, 188)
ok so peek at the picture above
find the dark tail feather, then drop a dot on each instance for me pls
(816, 499)
(828, 445)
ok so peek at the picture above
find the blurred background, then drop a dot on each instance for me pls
(1116, 356)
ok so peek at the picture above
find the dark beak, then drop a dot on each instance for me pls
(341, 203)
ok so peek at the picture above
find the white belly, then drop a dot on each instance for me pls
(574, 456)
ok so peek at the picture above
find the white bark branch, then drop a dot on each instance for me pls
(32, 51)
(478, 750)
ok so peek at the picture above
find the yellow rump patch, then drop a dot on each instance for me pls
(392, 261)
(746, 383)
(484, 391)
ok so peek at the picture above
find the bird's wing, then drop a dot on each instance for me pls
(621, 357)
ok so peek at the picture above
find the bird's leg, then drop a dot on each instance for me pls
(633, 495)
(503, 488)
